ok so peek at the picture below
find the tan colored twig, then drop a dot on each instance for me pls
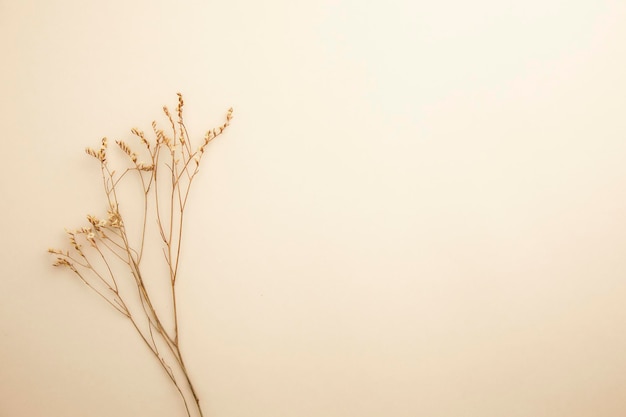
(105, 257)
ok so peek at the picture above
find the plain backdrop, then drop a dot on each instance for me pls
(419, 209)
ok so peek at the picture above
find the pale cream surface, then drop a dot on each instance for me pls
(419, 209)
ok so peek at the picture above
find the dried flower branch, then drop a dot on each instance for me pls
(107, 256)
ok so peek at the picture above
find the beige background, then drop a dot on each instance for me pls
(420, 209)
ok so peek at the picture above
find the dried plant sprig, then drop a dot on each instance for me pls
(107, 259)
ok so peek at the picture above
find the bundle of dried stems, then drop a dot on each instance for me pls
(107, 253)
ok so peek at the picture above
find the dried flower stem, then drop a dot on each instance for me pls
(105, 258)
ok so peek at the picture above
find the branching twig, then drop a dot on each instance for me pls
(103, 255)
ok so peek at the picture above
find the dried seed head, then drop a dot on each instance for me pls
(72, 238)
(124, 147)
(179, 108)
(213, 133)
(92, 153)
(145, 167)
(168, 142)
(62, 262)
(114, 218)
(141, 136)
(127, 150)
(102, 153)
(208, 137)
(93, 220)
(158, 133)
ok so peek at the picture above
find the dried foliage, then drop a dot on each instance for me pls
(107, 253)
